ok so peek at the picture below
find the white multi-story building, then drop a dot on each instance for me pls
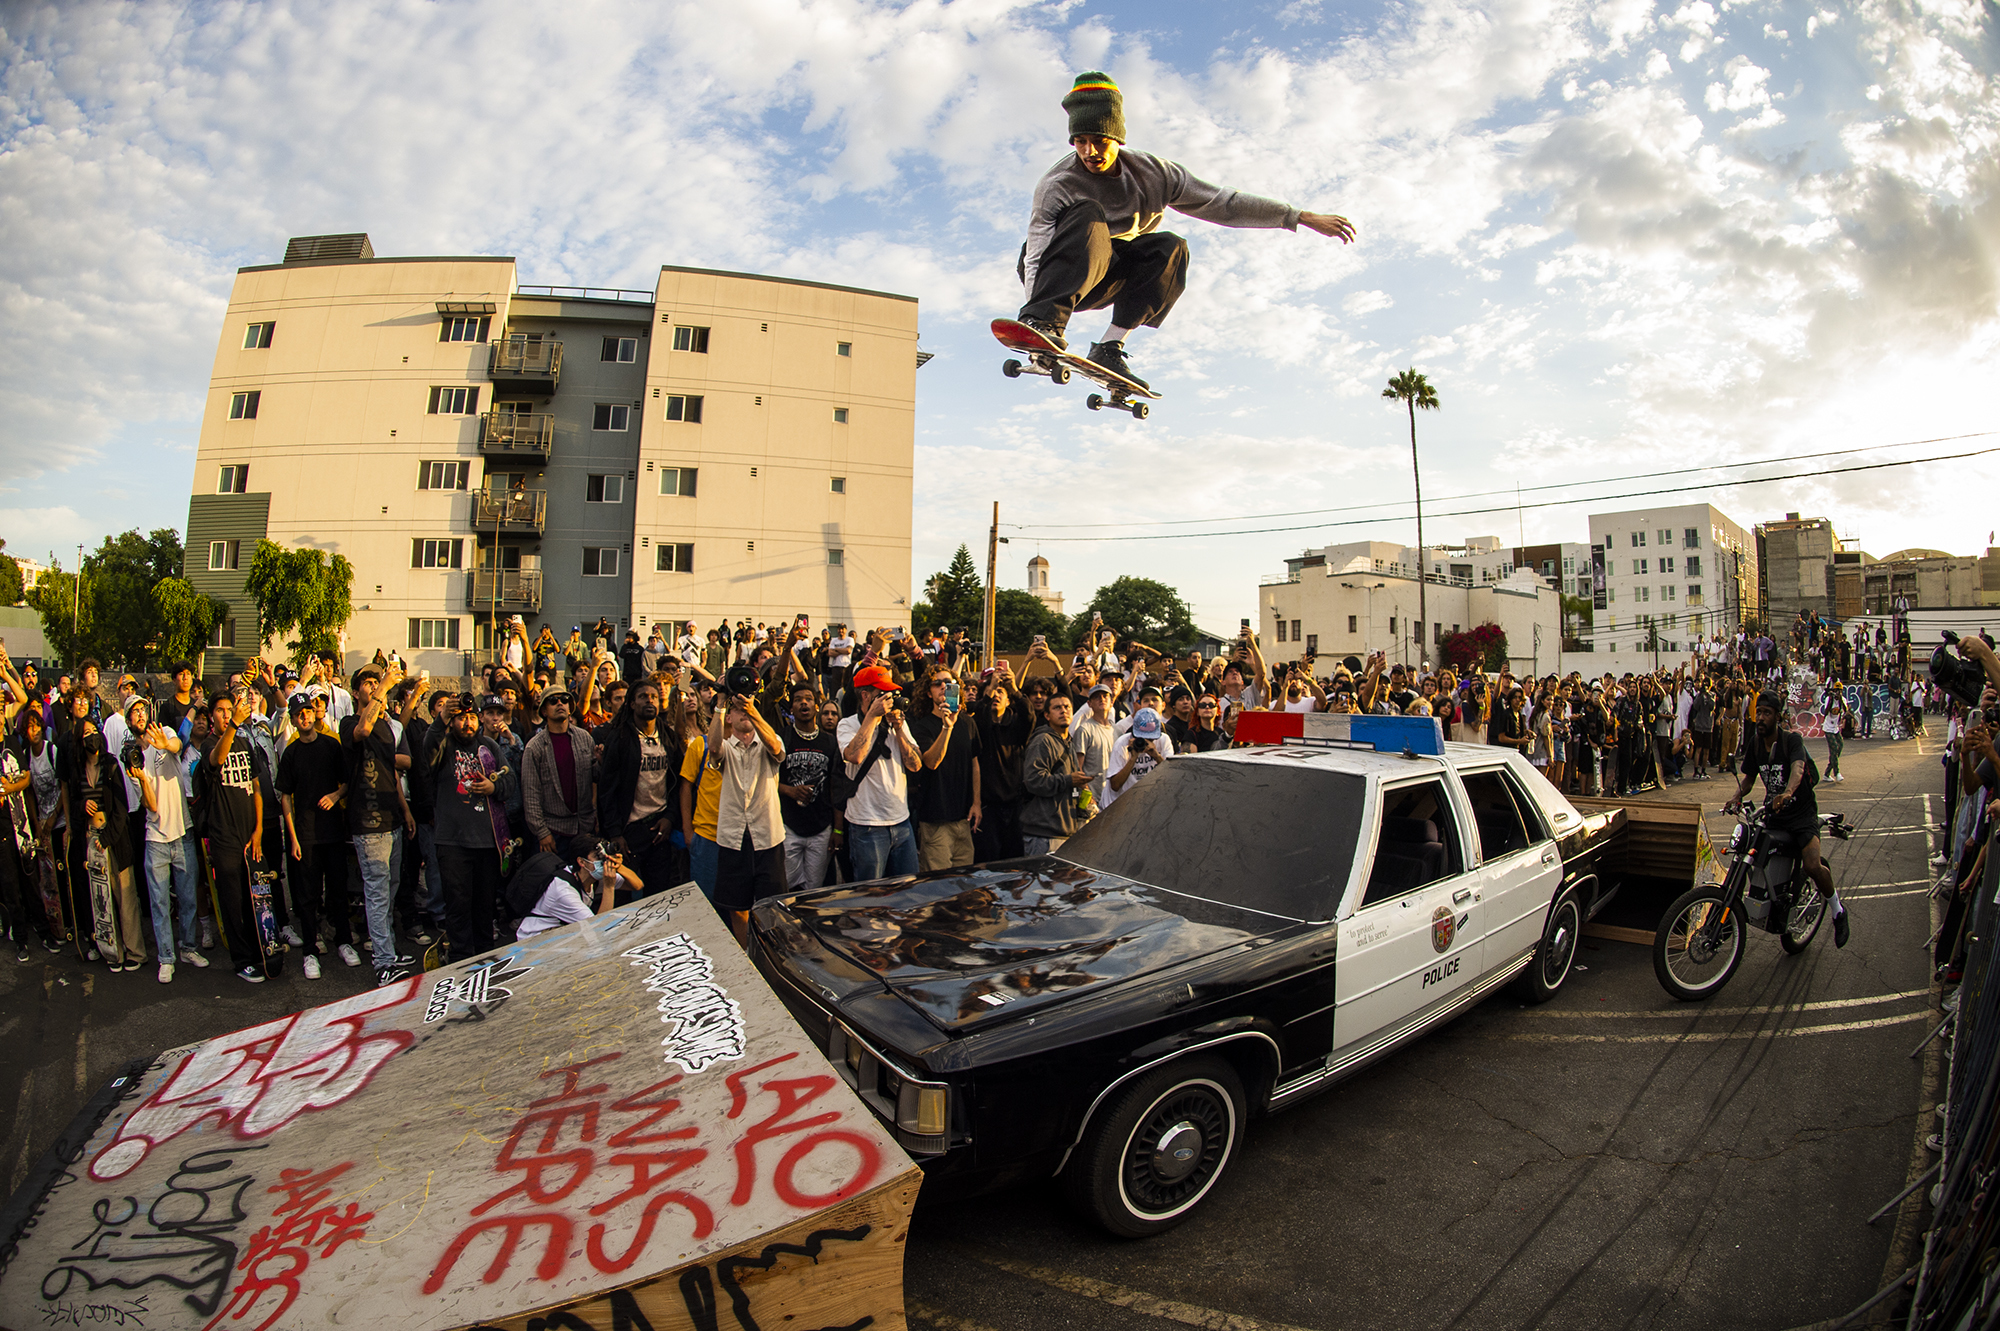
(1670, 574)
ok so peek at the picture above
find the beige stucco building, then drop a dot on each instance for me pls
(724, 445)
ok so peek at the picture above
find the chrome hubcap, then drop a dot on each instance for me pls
(1177, 1152)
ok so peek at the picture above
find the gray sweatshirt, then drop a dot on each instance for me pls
(1135, 198)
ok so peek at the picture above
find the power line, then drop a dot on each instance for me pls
(1514, 490)
(1552, 503)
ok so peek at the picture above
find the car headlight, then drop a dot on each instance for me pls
(920, 1109)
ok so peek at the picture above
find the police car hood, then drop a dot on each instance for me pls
(972, 947)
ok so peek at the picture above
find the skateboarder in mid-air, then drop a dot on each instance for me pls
(1093, 239)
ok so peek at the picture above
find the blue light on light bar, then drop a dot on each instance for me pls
(1384, 734)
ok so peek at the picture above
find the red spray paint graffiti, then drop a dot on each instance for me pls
(307, 1224)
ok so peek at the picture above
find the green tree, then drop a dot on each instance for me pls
(303, 592)
(186, 619)
(10, 581)
(1018, 616)
(1140, 608)
(118, 581)
(1577, 616)
(955, 598)
(1415, 392)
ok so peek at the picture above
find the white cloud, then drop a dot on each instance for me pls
(1358, 303)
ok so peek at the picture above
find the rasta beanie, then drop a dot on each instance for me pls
(1095, 106)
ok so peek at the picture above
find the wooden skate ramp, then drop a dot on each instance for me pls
(612, 1124)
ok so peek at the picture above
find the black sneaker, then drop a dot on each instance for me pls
(1111, 355)
(1048, 330)
(1840, 927)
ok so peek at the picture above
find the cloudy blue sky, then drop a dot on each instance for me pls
(1619, 237)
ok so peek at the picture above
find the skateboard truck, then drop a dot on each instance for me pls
(1054, 369)
(1117, 402)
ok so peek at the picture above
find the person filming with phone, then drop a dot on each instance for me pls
(946, 802)
(880, 753)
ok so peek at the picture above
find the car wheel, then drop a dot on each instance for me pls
(1556, 953)
(1158, 1148)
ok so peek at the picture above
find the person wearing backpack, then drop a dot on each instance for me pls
(548, 892)
(1776, 752)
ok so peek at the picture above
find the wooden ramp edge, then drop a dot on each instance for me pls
(612, 1125)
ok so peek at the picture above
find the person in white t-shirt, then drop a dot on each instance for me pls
(586, 886)
(169, 853)
(881, 839)
(1093, 736)
(1137, 752)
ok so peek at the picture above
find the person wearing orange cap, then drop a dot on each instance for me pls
(880, 753)
(1094, 237)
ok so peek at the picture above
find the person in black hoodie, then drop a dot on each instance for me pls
(229, 783)
(468, 857)
(636, 787)
(1004, 725)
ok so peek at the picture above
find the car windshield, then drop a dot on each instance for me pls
(1276, 838)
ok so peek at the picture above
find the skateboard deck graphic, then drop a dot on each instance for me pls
(264, 920)
(502, 837)
(103, 901)
(1045, 358)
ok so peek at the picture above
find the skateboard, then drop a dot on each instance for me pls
(264, 920)
(1044, 358)
(503, 837)
(33, 861)
(103, 901)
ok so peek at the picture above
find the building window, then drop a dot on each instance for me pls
(670, 558)
(454, 402)
(839, 485)
(684, 409)
(224, 555)
(1666, 563)
(600, 561)
(1694, 598)
(1312, 644)
(677, 481)
(443, 475)
(471, 328)
(1281, 630)
(233, 480)
(690, 339)
(1694, 566)
(1667, 592)
(447, 553)
(1638, 538)
(843, 348)
(1353, 624)
(604, 489)
(1645, 593)
(1392, 626)
(1666, 538)
(223, 634)
(624, 350)
(611, 416)
(836, 557)
(1295, 630)
(1691, 538)
(243, 406)
(840, 415)
(257, 337)
(433, 633)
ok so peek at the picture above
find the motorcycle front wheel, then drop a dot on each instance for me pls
(1698, 945)
(1806, 919)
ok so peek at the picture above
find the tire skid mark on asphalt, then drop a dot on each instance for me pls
(1710, 1037)
(1121, 1296)
(1685, 1011)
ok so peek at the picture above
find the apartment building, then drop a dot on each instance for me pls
(1669, 575)
(725, 445)
(1802, 563)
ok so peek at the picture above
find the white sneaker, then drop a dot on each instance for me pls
(349, 955)
(166, 972)
(207, 935)
(312, 967)
(291, 935)
(194, 958)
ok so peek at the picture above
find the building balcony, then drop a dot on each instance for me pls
(510, 510)
(519, 591)
(517, 434)
(522, 366)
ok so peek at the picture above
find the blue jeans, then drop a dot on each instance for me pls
(375, 850)
(162, 859)
(882, 852)
(704, 861)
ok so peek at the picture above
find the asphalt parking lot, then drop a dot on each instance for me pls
(1611, 1159)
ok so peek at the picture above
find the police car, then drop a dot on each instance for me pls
(1240, 930)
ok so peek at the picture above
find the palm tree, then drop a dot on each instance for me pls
(1414, 391)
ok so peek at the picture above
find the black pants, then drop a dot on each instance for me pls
(20, 894)
(999, 834)
(232, 894)
(1083, 268)
(319, 891)
(471, 894)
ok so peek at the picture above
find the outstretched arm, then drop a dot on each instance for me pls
(1329, 224)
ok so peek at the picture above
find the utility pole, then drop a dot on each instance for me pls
(992, 565)
(76, 609)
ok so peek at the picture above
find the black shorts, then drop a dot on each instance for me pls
(745, 875)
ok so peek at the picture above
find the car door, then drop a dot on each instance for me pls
(1414, 939)
(1519, 865)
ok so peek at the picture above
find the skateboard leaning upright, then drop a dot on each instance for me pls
(35, 860)
(1046, 358)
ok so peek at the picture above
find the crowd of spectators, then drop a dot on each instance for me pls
(752, 758)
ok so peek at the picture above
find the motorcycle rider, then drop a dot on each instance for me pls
(1778, 753)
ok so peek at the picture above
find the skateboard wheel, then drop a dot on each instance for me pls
(1139, 410)
(1059, 373)
(1095, 401)
(1012, 369)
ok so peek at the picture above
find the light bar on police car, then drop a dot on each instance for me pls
(1384, 734)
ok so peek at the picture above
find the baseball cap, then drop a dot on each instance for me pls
(297, 703)
(493, 702)
(1145, 724)
(1101, 688)
(875, 677)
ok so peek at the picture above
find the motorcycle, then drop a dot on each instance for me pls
(1700, 941)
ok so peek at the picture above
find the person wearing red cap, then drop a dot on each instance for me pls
(1094, 237)
(881, 842)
